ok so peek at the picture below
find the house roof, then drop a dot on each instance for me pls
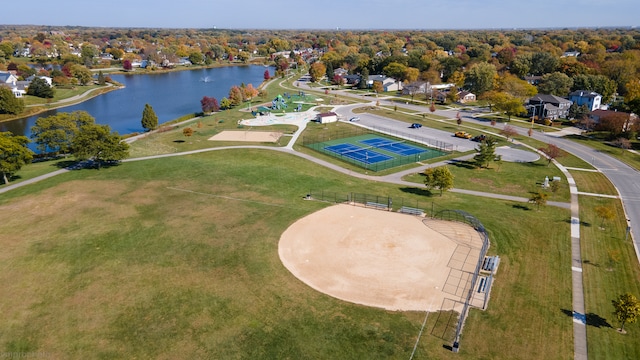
(377, 78)
(584, 93)
(546, 98)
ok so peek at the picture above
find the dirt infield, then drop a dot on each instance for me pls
(252, 136)
(375, 258)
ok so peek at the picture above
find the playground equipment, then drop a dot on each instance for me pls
(278, 103)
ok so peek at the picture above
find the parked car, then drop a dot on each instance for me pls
(415, 126)
(479, 138)
(354, 119)
(462, 134)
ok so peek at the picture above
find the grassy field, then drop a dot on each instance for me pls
(610, 269)
(593, 182)
(173, 140)
(178, 258)
(516, 179)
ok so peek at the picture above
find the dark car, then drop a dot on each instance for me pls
(415, 126)
(479, 138)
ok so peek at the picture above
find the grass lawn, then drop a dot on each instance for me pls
(516, 179)
(173, 141)
(593, 182)
(66, 93)
(39, 168)
(177, 257)
(610, 269)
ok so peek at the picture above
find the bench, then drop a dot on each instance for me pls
(377, 205)
(412, 211)
(483, 285)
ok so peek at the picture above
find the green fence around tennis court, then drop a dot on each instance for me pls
(353, 136)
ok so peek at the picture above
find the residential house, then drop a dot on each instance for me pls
(440, 96)
(593, 100)
(545, 106)
(571, 54)
(388, 84)
(353, 79)
(341, 72)
(465, 97)
(10, 80)
(533, 80)
(416, 87)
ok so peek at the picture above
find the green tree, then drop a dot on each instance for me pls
(510, 105)
(14, 153)
(88, 52)
(82, 74)
(627, 309)
(196, 57)
(329, 70)
(486, 152)
(578, 111)
(9, 104)
(225, 104)
(364, 77)
(395, 70)
(438, 178)
(97, 142)
(521, 65)
(480, 78)
(543, 63)
(149, 118)
(7, 49)
(55, 133)
(555, 83)
(516, 87)
(40, 88)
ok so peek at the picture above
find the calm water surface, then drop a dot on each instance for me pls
(171, 95)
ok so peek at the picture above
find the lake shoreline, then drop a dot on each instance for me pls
(86, 95)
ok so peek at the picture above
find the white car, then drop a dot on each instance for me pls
(354, 119)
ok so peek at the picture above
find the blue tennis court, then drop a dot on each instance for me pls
(358, 153)
(395, 147)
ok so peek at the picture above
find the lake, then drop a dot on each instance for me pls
(171, 94)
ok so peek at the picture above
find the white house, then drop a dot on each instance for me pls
(45, 78)
(593, 100)
(466, 96)
(328, 117)
(11, 81)
(388, 84)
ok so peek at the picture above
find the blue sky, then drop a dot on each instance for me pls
(327, 14)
